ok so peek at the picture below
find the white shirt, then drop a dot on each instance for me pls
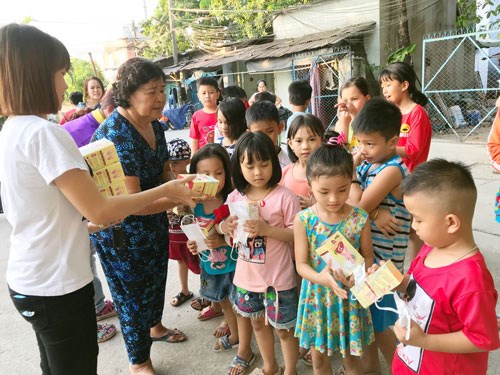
(49, 253)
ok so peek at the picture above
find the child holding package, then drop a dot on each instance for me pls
(266, 289)
(329, 319)
(179, 156)
(376, 187)
(203, 121)
(450, 293)
(218, 263)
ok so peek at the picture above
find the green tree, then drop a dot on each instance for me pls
(217, 23)
(467, 12)
(79, 72)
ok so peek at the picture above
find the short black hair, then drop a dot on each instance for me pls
(75, 97)
(234, 91)
(214, 150)
(330, 159)
(254, 146)
(439, 176)
(378, 116)
(132, 74)
(264, 96)
(306, 120)
(207, 81)
(262, 111)
(299, 92)
(234, 110)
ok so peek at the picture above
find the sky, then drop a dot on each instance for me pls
(84, 26)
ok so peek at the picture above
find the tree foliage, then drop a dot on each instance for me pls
(468, 15)
(219, 23)
(79, 72)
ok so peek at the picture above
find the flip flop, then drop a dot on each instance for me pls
(208, 314)
(180, 298)
(172, 336)
(240, 365)
(223, 344)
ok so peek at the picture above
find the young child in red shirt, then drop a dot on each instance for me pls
(450, 293)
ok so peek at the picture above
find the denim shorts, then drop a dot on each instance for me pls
(255, 305)
(216, 288)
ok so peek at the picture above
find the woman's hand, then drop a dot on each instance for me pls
(192, 247)
(215, 240)
(388, 224)
(177, 191)
(256, 228)
(93, 228)
(327, 279)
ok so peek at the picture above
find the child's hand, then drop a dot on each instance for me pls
(306, 202)
(215, 240)
(229, 225)
(417, 335)
(357, 159)
(192, 247)
(256, 228)
(327, 279)
(347, 281)
(374, 267)
(388, 224)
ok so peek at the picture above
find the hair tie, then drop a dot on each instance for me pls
(337, 141)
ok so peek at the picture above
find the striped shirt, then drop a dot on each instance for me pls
(384, 248)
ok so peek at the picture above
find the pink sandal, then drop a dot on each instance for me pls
(209, 313)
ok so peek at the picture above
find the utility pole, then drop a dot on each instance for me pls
(175, 51)
(93, 64)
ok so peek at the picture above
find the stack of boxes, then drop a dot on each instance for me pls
(203, 184)
(107, 171)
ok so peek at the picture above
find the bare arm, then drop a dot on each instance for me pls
(301, 244)
(194, 146)
(366, 246)
(79, 188)
(401, 151)
(455, 342)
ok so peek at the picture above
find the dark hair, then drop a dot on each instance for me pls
(254, 146)
(209, 151)
(329, 160)
(359, 82)
(86, 88)
(108, 99)
(261, 80)
(132, 74)
(207, 81)
(262, 111)
(439, 176)
(378, 116)
(29, 59)
(306, 120)
(401, 71)
(234, 110)
(75, 97)
(299, 92)
(234, 91)
(264, 96)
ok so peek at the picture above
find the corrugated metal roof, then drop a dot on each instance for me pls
(275, 49)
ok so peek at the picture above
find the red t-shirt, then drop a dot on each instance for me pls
(202, 127)
(415, 135)
(457, 297)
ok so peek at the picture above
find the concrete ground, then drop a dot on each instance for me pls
(18, 348)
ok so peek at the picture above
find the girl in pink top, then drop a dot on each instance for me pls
(266, 288)
(304, 136)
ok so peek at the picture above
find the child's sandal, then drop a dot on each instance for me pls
(240, 365)
(223, 344)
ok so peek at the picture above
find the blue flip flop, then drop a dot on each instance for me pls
(240, 364)
(223, 344)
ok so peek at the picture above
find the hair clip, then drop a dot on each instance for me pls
(337, 141)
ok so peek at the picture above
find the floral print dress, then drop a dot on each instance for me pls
(325, 322)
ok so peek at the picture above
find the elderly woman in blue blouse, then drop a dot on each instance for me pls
(136, 271)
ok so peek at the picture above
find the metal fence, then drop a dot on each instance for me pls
(461, 78)
(326, 73)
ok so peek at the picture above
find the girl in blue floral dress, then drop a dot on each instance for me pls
(329, 319)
